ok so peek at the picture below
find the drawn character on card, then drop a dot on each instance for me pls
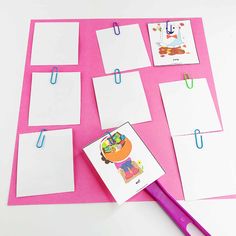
(116, 149)
(171, 40)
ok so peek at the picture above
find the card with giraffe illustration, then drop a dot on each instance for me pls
(124, 162)
(172, 43)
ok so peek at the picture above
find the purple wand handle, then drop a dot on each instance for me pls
(176, 212)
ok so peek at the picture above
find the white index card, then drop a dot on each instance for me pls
(55, 43)
(55, 104)
(125, 51)
(48, 169)
(209, 171)
(189, 109)
(119, 103)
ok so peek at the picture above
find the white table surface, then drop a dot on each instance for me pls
(142, 218)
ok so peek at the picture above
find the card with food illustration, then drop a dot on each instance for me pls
(124, 162)
(172, 43)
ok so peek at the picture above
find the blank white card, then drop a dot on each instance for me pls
(55, 104)
(210, 171)
(125, 51)
(55, 43)
(189, 109)
(119, 103)
(48, 169)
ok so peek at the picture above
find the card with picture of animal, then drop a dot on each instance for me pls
(172, 43)
(124, 162)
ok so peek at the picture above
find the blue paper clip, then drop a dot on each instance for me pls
(196, 132)
(53, 78)
(111, 138)
(186, 79)
(41, 138)
(167, 29)
(117, 76)
(116, 28)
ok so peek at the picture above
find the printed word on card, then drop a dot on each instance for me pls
(209, 171)
(172, 43)
(125, 51)
(123, 162)
(55, 43)
(119, 103)
(189, 109)
(48, 169)
(55, 104)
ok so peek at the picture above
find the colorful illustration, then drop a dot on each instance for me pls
(171, 41)
(116, 149)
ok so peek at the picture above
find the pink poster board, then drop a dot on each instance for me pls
(89, 187)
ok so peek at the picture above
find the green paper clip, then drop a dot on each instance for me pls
(186, 79)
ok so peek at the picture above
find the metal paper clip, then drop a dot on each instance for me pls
(54, 75)
(41, 138)
(167, 28)
(117, 76)
(196, 132)
(186, 79)
(111, 138)
(116, 28)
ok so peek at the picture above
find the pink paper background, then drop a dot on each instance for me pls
(88, 185)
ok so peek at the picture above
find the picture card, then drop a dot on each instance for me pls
(172, 43)
(207, 172)
(55, 43)
(125, 51)
(189, 109)
(48, 169)
(55, 104)
(123, 162)
(119, 103)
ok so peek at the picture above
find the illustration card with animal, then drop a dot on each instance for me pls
(124, 162)
(172, 43)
